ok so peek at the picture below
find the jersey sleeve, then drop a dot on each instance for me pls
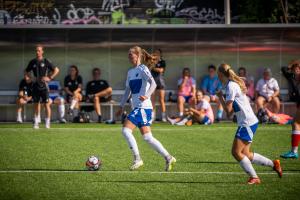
(204, 84)
(193, 82)
(29, 66)
(21, 85)
(257, 88)
(146, 75)
(163, 64)
(231, 92)
(66, 81)
(205, 105)
(179, 82)
(79, 79)
(87, 89)
(276, 86)
(49, 64)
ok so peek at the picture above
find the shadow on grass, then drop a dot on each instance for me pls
(209, 162)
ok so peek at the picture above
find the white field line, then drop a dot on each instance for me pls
(101, 129)
(136, 172)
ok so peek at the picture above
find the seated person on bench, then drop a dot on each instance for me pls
(98, 91)
(25, 95)
(55, 97)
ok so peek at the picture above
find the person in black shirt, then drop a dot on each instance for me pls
(73, 87)
(292, 72)
(25, 95)
(43, 71)
(98, 91)
(158, 75)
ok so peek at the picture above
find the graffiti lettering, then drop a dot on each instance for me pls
(167, 5)
(4, 17)
(114, 5)
(27, 8)
(204, 16)
(38, 19)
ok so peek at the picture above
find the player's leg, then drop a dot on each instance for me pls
(127, 129)
(161, 93)
(259, 159)
(275, 104)
(20, 103)
(237, 152)
(260, 102)
(180, 105)
(37, 111)
(220, 109)
(295, 137)
(97, 107)
(47, 105)
(60, 102)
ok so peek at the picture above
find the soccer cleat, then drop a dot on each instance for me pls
(289, 154)
(47, 125)
(19, 121)
(136, 164)
(277, 168)
(36, 126)
(63, 121)
(254, 181)
(170, 163)
(164, 119)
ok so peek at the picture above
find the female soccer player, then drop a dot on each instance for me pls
(293, 72)
(236, 101)
(140, 84)
(73, 87)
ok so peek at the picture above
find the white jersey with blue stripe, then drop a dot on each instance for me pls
(138, 82)
(241, 105)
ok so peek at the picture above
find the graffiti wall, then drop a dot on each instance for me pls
(68, 12)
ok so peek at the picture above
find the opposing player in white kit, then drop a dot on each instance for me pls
(140, 84)
(236, 101)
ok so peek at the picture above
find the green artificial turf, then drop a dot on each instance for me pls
(50, 164)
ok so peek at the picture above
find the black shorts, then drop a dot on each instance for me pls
(102, 99)
(160, 83)
(40, 94)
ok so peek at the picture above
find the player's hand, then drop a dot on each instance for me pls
(143, 98)
(213, 97)
(46, 79)
(119, 112)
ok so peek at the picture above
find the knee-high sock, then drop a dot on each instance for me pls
(156, 145)
(219, 114)
(127, 133)
(61, 110)
(295, 140)
(245, 163)
(261, 160)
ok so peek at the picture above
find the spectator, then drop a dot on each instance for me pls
(267, 92)
(249, 82)
(186, 90)
(158, 75)
(25, 95)
(98, 91)
(293, 82)
(73, 87)
(202, 113)
(210, 84)
(43, 71)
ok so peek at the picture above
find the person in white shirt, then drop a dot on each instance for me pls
(237, 102)
(267, 92)
(140, 84)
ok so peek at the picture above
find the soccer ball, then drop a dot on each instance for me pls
(93, 163)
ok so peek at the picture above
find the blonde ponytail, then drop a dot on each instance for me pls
(150, 60)
(231, 75)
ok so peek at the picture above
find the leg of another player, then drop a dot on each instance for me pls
(60, 102)
(47, 106)
(127, 129)
(295, 137)
(156, 145)
(180, 105)
(20, 103)
(220, 109)
(37, 111)
(260, 101)
(275, 104)
(97, 107)
(162, 104)
(238, 147)
(153, 100)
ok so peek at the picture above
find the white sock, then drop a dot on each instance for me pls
(75, 112)
(172, 121)
(73, 104)
(295, 149)
(19, 116)
(261, 160)
(47, 120)
(127, 133)
(247, 167)
(155, 144)
(163, 115)
(38, 117)
(182, 122)
(180, 114)
(61, 110)
(36, 120)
